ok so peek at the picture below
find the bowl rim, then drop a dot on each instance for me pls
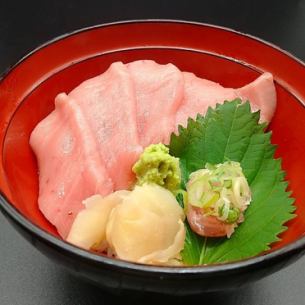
(253, 262)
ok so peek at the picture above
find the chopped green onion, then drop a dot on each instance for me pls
(233, 215)
(210, 201)
(227, 184)
(221, 190)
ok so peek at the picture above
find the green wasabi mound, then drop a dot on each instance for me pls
(157, 166)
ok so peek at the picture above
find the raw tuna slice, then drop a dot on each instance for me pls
(109, 105)
(70, 168)
(199, 94)
(261, 93)
(90, 142)
(159, 93)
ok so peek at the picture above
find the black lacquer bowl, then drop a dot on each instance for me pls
(27, 94)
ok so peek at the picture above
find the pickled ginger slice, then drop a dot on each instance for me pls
(147, 227)
(89, 227)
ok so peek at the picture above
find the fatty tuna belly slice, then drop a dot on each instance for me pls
(201, 93)
(159, 93)
(261, 93)
(70, 168)
(108, 103)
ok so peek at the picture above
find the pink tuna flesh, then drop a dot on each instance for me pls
(70, 168)
(199, 94)
(159, 93)
(90, 142)
(207, 226)
(262, 96)
(108, 103)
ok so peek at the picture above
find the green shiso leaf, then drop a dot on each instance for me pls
(232, 132)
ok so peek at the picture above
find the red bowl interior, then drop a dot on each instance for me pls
(27, 93)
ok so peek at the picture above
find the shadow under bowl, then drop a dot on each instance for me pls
(27, 93)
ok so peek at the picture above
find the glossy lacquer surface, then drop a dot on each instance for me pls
(27, 95)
